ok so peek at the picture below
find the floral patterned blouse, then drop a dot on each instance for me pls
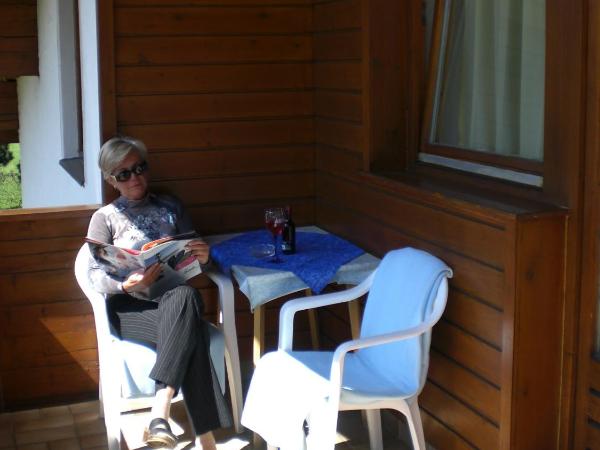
(131, 224)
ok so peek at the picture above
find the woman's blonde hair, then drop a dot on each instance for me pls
(115, 150)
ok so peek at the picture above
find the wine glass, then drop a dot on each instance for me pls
(275, 220)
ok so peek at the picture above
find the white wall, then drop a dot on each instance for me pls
(47, 107)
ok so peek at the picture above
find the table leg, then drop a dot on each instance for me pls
(313, 324)
(259, 333)
(354, 314)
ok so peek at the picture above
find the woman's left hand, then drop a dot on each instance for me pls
(200, 250)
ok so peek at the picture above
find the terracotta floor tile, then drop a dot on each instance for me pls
(93, 440)
(20, 416)
(90, 427)
(45, 422)
(87, 416)
(45, 435)
(55, 411)
(84, 407)
(79, 427)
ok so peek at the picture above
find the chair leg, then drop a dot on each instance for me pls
(113, 428)
(235, 386)
(374, 426)
(110, 386)
(415, 425)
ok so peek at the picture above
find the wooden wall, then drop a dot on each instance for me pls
(474, 391)
(18, 56)
(9, 112)
(18, 38)
(47, 339)
(587, 428)
(221, 92)
(249, 103)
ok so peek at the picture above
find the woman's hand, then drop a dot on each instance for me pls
(140, 279)
(200, 250)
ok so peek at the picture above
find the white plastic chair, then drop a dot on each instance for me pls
(124, 366)
(388, 368)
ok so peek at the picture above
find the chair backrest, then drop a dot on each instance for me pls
(409, 289)
(97, 300)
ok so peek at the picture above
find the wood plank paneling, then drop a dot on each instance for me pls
(30, 387)
(177, 50)
(464, 403)
(9, 112)
(469, 351)
(475, 317)
(169, 21)
(440, 436)
(241, 189)
(470, 276)
(473, 428)
(336, 46)
(18, 39)
(592, 438)
(182, 108)
(466, 386)
(232, 3)
(337, 133)
(221, 93)
(340, 75)
(337, 15)
(223, 134)
(214, 219)
(338, 105)
(482, 242)
(47, 333)
(233, 161)
(214, 78)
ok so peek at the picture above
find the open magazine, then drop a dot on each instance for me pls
(177, 262)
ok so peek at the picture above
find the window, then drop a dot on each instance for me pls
(485, 102)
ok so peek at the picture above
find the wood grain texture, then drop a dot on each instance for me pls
(18, 39)
(263, 77)
(183, 50)
(47, 331)
(9, 112)
(189, 21)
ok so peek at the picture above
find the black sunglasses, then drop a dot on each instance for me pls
(125, 174)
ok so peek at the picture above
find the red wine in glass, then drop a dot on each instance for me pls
(275, 221)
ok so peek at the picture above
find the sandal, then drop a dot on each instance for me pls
(159, 435)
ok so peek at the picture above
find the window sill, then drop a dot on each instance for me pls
(472, 194)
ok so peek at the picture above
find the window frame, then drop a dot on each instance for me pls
(488, 159)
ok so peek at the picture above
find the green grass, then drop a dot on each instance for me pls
(10, 184)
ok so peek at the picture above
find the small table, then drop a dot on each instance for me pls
(263, 285)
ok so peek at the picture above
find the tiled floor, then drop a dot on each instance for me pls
(79, 427)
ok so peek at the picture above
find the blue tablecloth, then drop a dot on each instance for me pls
(318, 256)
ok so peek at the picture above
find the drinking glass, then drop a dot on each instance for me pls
(274, 221)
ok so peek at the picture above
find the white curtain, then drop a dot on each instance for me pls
(491, 91)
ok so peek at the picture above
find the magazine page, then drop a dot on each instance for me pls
(177, 262)
(115, 260)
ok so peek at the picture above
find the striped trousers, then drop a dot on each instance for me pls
(173, 325)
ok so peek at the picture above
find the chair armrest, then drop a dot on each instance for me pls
(337, 363)
(290, 308)
(226, 297)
